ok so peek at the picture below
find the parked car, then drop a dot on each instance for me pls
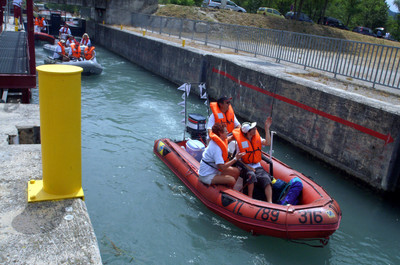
(302, 17)
(364, 30)
(269, 11)
(217, 4)
(334, 22)
(380, 32)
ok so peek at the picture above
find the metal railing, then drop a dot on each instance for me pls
(374, 63)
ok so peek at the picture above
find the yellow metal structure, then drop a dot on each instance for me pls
(60, 131)
(144, 32)
(183, 43)
(16, 24)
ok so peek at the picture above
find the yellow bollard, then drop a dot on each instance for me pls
(144, 33)
(60, 131)
(183, 43)
(16, 24)
(121, 26)
(103, 22)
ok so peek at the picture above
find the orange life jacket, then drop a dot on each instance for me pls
(228, 118)
(222, 144)
(39, 22)
(62, 48)
(89, 52)
(252, 149)
(76, 50)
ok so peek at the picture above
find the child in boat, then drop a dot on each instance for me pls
(215, 168)
(250, 142)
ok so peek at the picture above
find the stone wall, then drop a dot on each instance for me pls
(354, 133)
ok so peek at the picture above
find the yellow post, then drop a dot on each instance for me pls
(144, 33)
(60, 131)
(16, 24)
(103, 22)
(121, 26)
(183, 43)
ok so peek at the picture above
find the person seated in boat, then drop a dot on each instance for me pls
(70, 40)
(40, 23)
(64, 32)
(75, 52)
(222, 111)
(85, 41)
(215, 167)
(89, 53)
(249, 141)
(286, 193)
(60, 54)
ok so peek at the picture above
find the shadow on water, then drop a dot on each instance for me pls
(143, 214)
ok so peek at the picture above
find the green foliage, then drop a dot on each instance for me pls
(181, 2)
(368, 13)
(393, 26)
(67, 8)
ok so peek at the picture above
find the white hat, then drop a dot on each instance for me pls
(247, 126)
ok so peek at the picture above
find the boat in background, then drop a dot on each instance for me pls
(90, 67)
(44, 37)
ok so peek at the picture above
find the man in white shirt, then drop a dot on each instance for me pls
(64, 32)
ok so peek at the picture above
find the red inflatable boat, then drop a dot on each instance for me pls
(44, 37)
(316, 217)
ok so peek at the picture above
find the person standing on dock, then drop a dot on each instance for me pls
(17, 11)
(222, 111)
(64, 32)
(249, 141)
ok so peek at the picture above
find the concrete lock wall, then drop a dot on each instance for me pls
(353, 133)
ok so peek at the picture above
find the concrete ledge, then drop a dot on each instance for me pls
(53, 232)
(354, 133)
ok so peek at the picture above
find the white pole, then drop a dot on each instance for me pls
(270, 147)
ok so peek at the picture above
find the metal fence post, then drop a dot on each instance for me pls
(307, 53)
(280, 37)
(181, 28)
(161, 25)
(194, 28)
(338, 58)
(207, 28)
(237, 42)
(220, 38)
(377, 70)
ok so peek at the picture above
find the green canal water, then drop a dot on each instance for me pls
(143, 214)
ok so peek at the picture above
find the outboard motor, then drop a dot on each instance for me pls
(196, 126)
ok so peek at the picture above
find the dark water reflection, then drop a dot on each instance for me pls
(143, 214)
